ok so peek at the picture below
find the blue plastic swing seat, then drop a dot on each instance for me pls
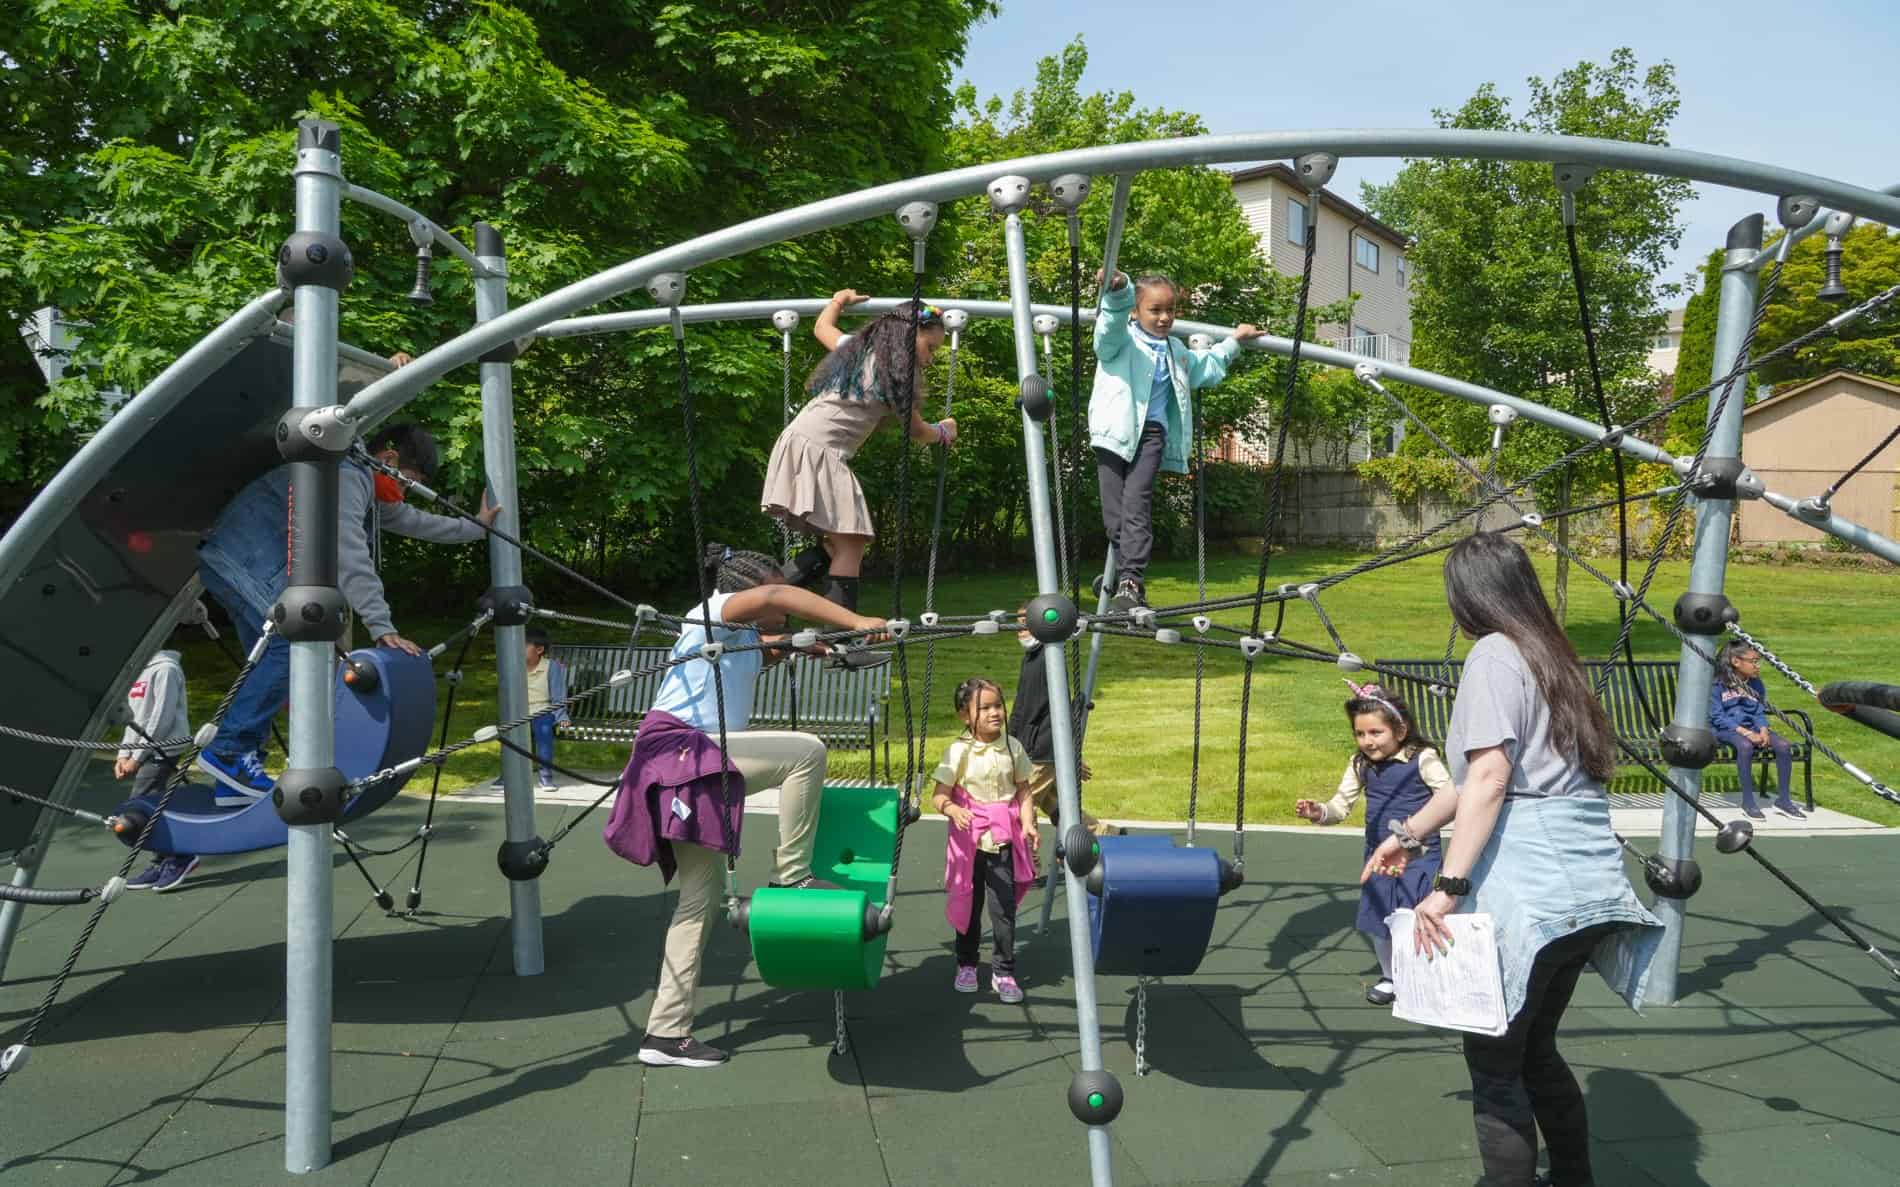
(1155, 915)
(378, 728)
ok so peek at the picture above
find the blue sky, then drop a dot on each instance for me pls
(1250, 67)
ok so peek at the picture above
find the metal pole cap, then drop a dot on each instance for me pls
(1009, 194)
(917, 218)
(1070, 190)
(668, 288)
(1315, 169)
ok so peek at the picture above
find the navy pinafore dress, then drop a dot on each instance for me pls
(1394, 791)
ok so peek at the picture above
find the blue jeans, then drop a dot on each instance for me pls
(1745, 765)
(544, 745)
(247, 723)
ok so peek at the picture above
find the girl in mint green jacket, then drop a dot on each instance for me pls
(1141, 414)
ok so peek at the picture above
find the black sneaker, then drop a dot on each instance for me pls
(808, 882)
(1382, 994)
(1128, 595)
(685, 1051)
(1753, 813)
(807, 567)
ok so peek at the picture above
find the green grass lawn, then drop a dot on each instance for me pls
(1828, 623)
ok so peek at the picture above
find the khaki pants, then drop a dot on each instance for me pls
(795, 764)
(1042, 790)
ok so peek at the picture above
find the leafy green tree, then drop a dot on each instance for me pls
(144, 188)
(1493, 301)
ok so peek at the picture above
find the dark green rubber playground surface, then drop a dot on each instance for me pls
(164, 1060)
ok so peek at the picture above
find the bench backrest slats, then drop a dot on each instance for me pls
(830, 701)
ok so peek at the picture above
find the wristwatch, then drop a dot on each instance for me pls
(1407, 841)
(1455, 887)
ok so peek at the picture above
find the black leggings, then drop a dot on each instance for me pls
(1520, 1084)
(996, 874)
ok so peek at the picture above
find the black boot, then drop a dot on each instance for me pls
(807, 566)
(844, 591)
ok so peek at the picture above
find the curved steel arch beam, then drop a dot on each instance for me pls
(1430, 380)
(393, 391)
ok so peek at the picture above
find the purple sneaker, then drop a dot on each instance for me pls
(166, 873)
(966, 979)
(1006, 988)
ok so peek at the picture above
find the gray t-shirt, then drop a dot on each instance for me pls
(1498, 704)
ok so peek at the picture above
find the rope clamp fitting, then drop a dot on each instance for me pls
(1009, 194)
(1348, 662)
(1143, 617)
(1045, 324)
(929, 618)
(1070, 190)
(986, 627)
(804, 639)
(1367, 373)
(620, 679)
(205, 734)
(1622, 591)
(1531, 519)
(998, 616)
(1251, 648)
(114, 887)
(486, 733)
(668, 289)
(897, 628)
(1202, 623)
(1167, 635)
(712, 651)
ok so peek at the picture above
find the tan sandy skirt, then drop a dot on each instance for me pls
(813, 489)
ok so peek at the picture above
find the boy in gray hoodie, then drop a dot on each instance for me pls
(156, 702)
(244, 566)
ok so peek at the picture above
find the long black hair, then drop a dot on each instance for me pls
(1492, 589)
(1725, 673)
(1397, 715)
(870, 362)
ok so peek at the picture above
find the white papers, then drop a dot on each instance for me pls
(1457, 989)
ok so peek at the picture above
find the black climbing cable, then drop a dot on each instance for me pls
(1073, 542)
(1834, 487)
(454, 678)
(930, 564)
(907, 396)
(1200, 587)
(705, 596)
(1625, 612)
(1281, 437)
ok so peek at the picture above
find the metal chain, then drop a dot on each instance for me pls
(1141, 1026)
(842, 1043)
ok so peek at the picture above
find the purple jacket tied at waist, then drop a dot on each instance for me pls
(671, 792)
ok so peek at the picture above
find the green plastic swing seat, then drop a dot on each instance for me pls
(814, 939)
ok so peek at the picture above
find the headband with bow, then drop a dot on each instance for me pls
(1372, 692)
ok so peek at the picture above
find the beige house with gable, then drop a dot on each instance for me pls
(1802, 439)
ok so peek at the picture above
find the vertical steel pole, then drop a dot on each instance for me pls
(1111, 252)
(1068, 793)
(1706, 572)
(504, 566)
(25, 870)
(313, 544)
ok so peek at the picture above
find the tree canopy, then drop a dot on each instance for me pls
(1493, 301)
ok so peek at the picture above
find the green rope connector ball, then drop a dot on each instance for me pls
(1050, 618)
(1095, 1097)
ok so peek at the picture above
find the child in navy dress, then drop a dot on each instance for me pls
(1397, 770)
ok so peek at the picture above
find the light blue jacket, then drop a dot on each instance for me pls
(1123, 373)
(1553, 867)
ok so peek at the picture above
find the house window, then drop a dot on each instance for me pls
(1365, 253)
(1661, 342)
(1296, 221)
(1400, 268)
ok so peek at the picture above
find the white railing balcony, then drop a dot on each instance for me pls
(1383, 347)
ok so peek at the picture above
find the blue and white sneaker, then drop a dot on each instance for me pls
(241, 780)
(166, 873)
